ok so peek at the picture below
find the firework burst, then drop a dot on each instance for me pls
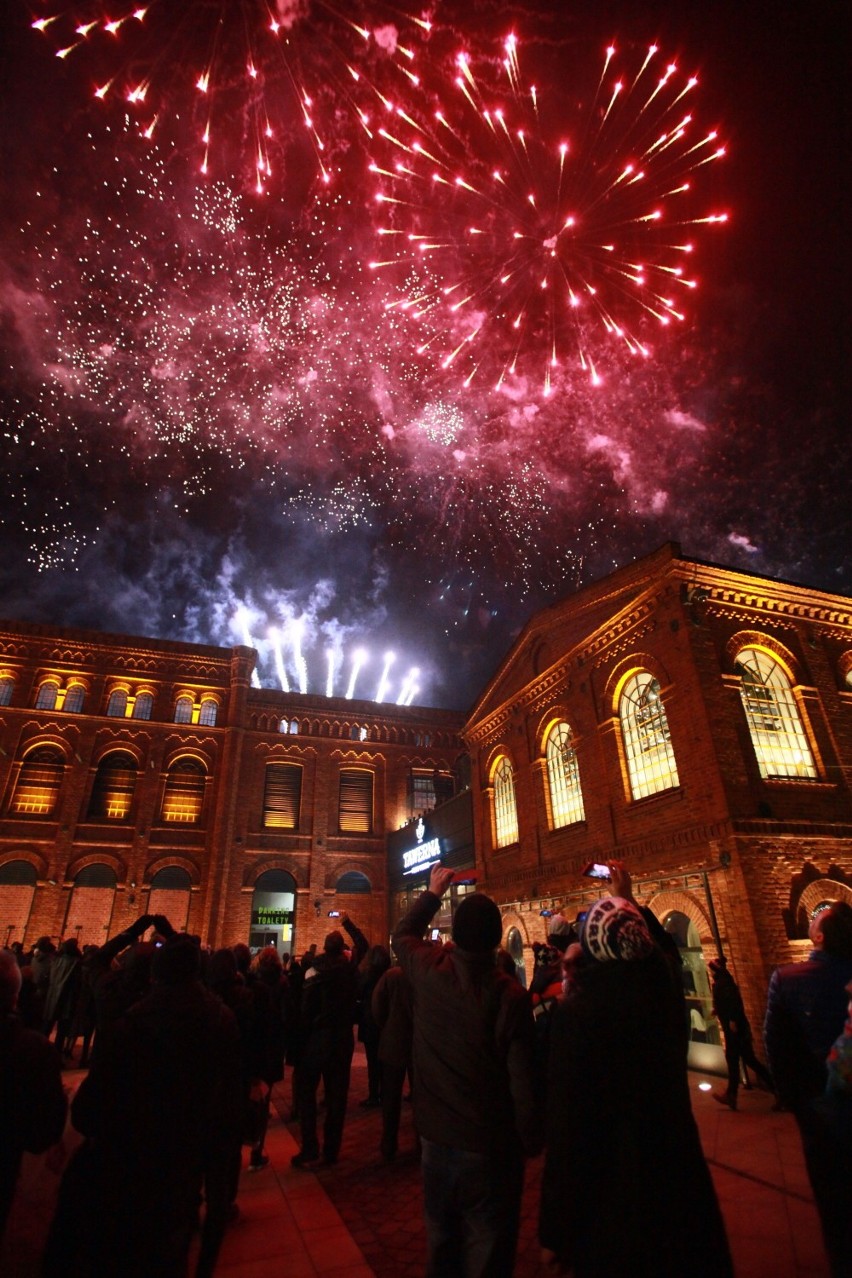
(250, 75)
(534, 228)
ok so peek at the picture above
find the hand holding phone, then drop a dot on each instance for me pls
(596, 870)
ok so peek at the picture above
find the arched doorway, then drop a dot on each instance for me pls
(17, 889)
(170, 895)
(515, 946)
(91, 904)
(273, 910)
(704, 1037)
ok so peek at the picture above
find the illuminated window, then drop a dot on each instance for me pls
(647, 740)
(112, 792)
(294, 727)
(774, 721)
(117, 704)
(563, 778)
(208, 712)
(39, 782)
(184, 792)
(421, 791)
(356, 801)
(143, 706)
(282, 796)
(7, 687)
(74, 698)
(46, 698)
(505, 807)
(183, 710)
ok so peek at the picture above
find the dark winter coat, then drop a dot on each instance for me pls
(805, 1011)
(473, 1043)
(625, 1188)
(329, 999)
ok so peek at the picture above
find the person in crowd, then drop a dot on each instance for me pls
(44, 952)
(226, 983)
(329, 995)
(393, 1013)
(474, 1097)
(63, 989)
(119, 972)
(159, 1110)
(378, 962)
(83, 1023)
(32, 1100)
(805, 1011)
(625, 1187)
(739, 1044)
(273, 1018)
(834, 1119)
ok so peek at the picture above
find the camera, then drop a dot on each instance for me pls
(596, 870)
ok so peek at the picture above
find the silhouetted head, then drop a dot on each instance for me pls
(477, 924)
(175, 961)
(615, 929)
(831, 930)
(335, 943)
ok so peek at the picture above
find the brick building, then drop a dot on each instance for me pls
(691, 720)
(695, 722)
(143, 776)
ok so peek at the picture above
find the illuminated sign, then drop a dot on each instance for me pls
(424, 855)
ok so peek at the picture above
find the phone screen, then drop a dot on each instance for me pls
(596, 870)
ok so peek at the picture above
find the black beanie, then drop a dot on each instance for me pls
(477, 924)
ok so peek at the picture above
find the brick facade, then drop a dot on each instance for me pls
(742, 858)
(222, 847)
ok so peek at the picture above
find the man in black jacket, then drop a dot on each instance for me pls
(474, 1100)
(329, 996)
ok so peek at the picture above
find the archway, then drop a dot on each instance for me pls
(91, 904)
(515, 946)
(17, 889)
(273, 911)
(703, 1028)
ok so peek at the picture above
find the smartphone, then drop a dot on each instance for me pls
(334, 914)
(595, 870)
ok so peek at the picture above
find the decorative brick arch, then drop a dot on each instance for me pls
(165, 861)
(685, 903)
(511, 918)
(35, 859)
(297, 873)
(757, 639)
(622, 671)
(350, 867)
(822, 890)
(99, 857)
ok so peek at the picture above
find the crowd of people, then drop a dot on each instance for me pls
(184, 1047)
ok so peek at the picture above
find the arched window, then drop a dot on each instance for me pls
(143, 706)
(563, 778)
(46, 696)
(7, 688)
(774, 721)
(183, 795)
(208, 712)
(294, 727)
(112, 792)
(39, 782)
(18, 874)
(183, 710)
(74, 698)
(353, 883)
(647, 740)
(117, 704)
(505, 807)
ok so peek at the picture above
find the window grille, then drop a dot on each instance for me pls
(647, 741)
(184, 792)
(775, 723)
(563, 776)
(505, 806)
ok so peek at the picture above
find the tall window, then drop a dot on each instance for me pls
(39, 782)
(74, 698)
(282, 796)
(421, 791)
(112, 792)
(183, 710)
(184, 792)
(117, 704)
(563, 778)
(7, 687)
(143, 706)
(46, 697)
(505, 807)
(647, 740)
(208, 712)
(356, 801)
(774, 721)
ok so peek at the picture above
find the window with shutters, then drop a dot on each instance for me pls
(39, 782)
(183, 795)
(112, 792)
(282, 796)
(356, 801)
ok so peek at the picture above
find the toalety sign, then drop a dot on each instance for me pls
(424, 855)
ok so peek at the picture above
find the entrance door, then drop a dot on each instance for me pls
(273, 909)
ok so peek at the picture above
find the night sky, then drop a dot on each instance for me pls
(223, 422)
